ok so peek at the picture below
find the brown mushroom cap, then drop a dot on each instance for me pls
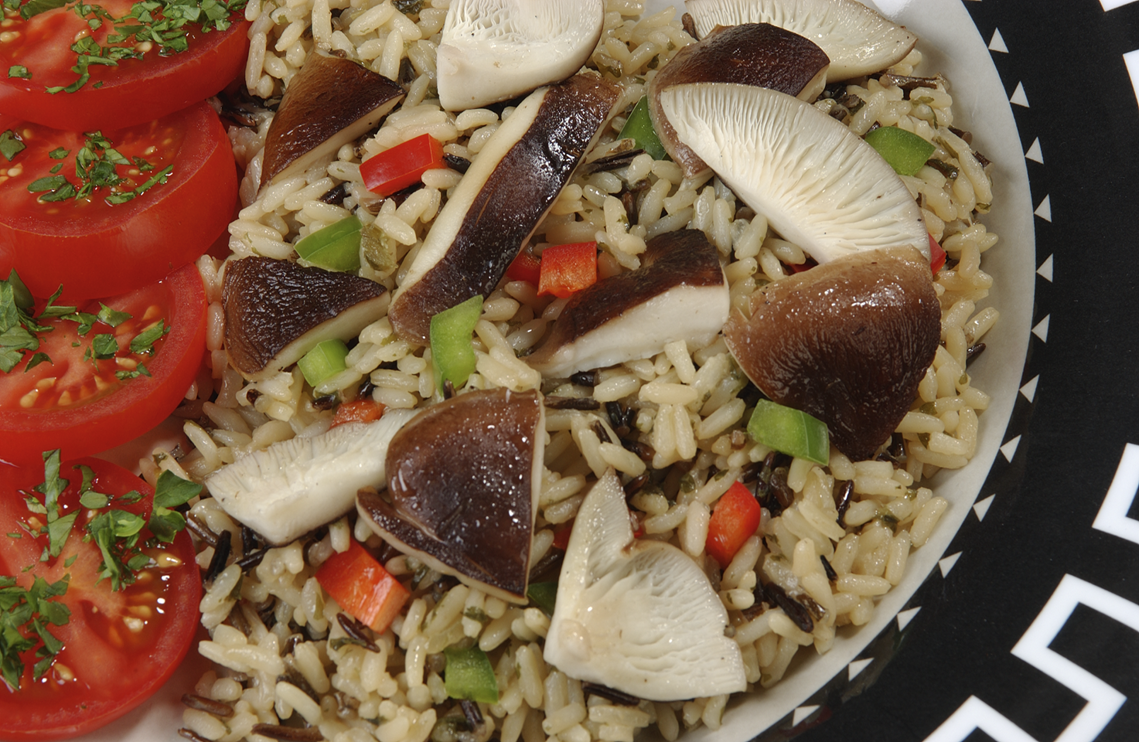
(678, 292)
(501, 199)
(330, 101)
(847, 342)
(756, 54)
(463, 479)
(276, 311)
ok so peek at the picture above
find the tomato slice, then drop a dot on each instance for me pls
(93, 248)
(118, 647)
(80, 406)
(132, 92)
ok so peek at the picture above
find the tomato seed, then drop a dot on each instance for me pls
(29, 399)
(15, 170)
(134, 625)
(64, 399)
(9, 36)
(167, 561)
(129, 364)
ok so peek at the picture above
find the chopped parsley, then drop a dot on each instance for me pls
(158, 26)
(96, 166)
(26, 614)
(19, 71)
(21, 330)
(11, 145)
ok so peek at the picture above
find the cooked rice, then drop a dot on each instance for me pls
(278, 647)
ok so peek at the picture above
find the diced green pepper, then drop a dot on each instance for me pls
(469, 675)
(790, 431)
(639, 128)
(543, 594)
(452, 355)
(335, 248)
(905, 151)
(323, 361)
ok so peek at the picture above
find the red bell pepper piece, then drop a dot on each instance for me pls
(359, 411)
(526, 267)
(936, 256)
(734, 520)
(567, 269)
(362, 587)
(396, 168)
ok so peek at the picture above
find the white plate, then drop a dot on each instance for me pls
(952, 47)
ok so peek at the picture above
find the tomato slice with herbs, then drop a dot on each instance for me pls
(130, 80)
(94, 394)
(58, 228)
(109, 649)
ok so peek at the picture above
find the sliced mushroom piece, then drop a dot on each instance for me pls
(463, 481)
(294, 486)
(495, 208)
(819, 185)
(749, 54)
(494, 50)
(678, 293)
(857, 39)
(639, 616)
(847, 342)
(329, 102)
(276, 311)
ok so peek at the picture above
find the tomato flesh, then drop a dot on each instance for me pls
(134, 91)
(79, 405)
(93, 248)
(119, 647)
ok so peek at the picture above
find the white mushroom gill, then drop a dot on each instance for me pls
(494, 50)
(819, 185)
(857, 39)
(294, 486)
(638, 616)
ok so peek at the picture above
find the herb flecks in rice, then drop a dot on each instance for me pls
(833, 538)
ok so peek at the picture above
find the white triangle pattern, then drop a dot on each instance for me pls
(998, 43)
(947, 564)
(802, 714)
(1044, 210)
(981, 508)
(1034, 152)
(1009, 449)
(1018, 96)
(1041, 329)
(1029, 389)
(1045, 269)
(905, 617)
(855, 668)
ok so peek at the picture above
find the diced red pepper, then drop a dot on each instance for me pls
(936, 256)
(734, 520)
(562, 535)
(526, 267)
(396, 168)
(567, 269)
(359, 411)
(362, 587)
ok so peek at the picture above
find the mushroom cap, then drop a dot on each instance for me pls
(276, 311)
(463, 481)
(678, 293)
(636, 615)
(857, 39)
(847, 342)
(494, 50)
(819, 185)
(502, 198)
(329, 102)
(757, 54)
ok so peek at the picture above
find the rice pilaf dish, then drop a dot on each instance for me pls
(290, 665)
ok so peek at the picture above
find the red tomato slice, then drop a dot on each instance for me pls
(118, 647)
(134, 91)
(83, 408)
(93, 248)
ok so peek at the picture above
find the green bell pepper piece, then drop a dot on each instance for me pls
(789, 431)
(639, 128)
(469, 675)
(334, 248)
(452, 356)
(323, 361)
(905, 151)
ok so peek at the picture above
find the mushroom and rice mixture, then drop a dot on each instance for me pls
(291, 664)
